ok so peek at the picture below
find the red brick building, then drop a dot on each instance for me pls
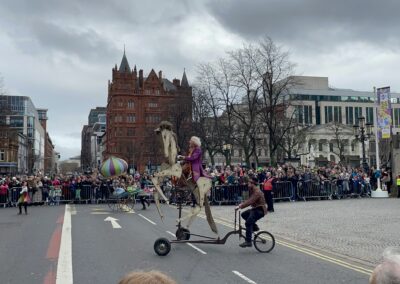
(135, 106)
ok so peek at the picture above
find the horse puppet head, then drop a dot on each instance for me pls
(169, 141)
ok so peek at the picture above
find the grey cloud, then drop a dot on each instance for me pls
(324, 23)
(86, 44)
(87, 29)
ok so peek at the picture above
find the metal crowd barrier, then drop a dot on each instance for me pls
(283, 190)
(229, 194)
(349, 188)
(85, 194)
(310, 189)
(10, 198)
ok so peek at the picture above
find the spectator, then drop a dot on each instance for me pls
(151, 277)
(388, 272)
(398, 185)
(23, 198)
(3, 192)
(267, 189)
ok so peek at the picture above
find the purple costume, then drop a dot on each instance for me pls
(196, 163)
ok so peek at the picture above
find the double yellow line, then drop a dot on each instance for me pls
(305, 250)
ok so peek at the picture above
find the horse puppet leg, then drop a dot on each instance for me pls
(156, 183)
(174, 170)
(202, 188)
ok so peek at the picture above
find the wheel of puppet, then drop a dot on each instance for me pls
(182, 234)
(162, 246)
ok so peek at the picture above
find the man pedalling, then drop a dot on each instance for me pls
(258, 210)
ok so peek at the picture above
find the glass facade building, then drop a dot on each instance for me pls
(19, 112)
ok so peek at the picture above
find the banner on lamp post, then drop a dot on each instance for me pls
(384, 112)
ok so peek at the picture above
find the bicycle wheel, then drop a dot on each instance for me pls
(130, 202)
(264, 241)
(113, 204)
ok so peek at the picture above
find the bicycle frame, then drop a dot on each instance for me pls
(217, 241)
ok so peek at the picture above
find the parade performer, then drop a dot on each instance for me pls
(194, 158)
(257, 202)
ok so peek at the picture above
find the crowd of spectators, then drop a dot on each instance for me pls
(74, 188)
(49, 190)
(344, 177)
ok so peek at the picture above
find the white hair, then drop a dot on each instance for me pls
(388, 271)
(196, 140)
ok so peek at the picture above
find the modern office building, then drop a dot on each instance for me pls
(91, 150)
(19, 113)
(323, 110)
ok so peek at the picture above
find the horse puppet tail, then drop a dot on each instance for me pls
(209, 216)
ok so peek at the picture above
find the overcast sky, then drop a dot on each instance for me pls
(60, 53)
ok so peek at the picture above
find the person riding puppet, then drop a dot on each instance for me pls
(190, 176)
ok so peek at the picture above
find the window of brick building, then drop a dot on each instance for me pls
(2, 155)
(131, 118)
(118, 118)
(153, 118)
(131, 131)
(154, 105)
(131, 104)
(119, 132)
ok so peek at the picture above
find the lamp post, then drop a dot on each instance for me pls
(362, 132)
(226, 148)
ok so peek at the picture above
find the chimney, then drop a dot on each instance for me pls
(176, 82)
(141, 78)
(160, 75)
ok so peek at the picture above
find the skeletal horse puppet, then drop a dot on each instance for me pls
(172, 168)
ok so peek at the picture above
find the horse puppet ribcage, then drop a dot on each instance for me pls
(200, 188)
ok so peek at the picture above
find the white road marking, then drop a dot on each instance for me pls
(72, 209)
(113, 221)
(64, 266)
(193, 246)
(99, 213)
(172, 234)
(147, 219)
(196, 248)
(245, 278)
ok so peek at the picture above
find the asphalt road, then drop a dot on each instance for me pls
(29, 247)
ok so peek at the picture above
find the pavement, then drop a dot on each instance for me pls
(354, 229)
(35, 248)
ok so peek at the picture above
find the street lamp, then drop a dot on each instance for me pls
(362, 132)
(226, 148)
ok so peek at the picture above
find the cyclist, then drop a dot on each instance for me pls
(258, 210)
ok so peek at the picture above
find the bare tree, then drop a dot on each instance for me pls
(205, 121)
(340, 141)
(275, 70)
(243, 64)
(293, 142)
(215, 82)
(180, 114)
(251, 85)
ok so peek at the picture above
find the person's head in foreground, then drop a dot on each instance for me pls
(146, 277)
(388, 272)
